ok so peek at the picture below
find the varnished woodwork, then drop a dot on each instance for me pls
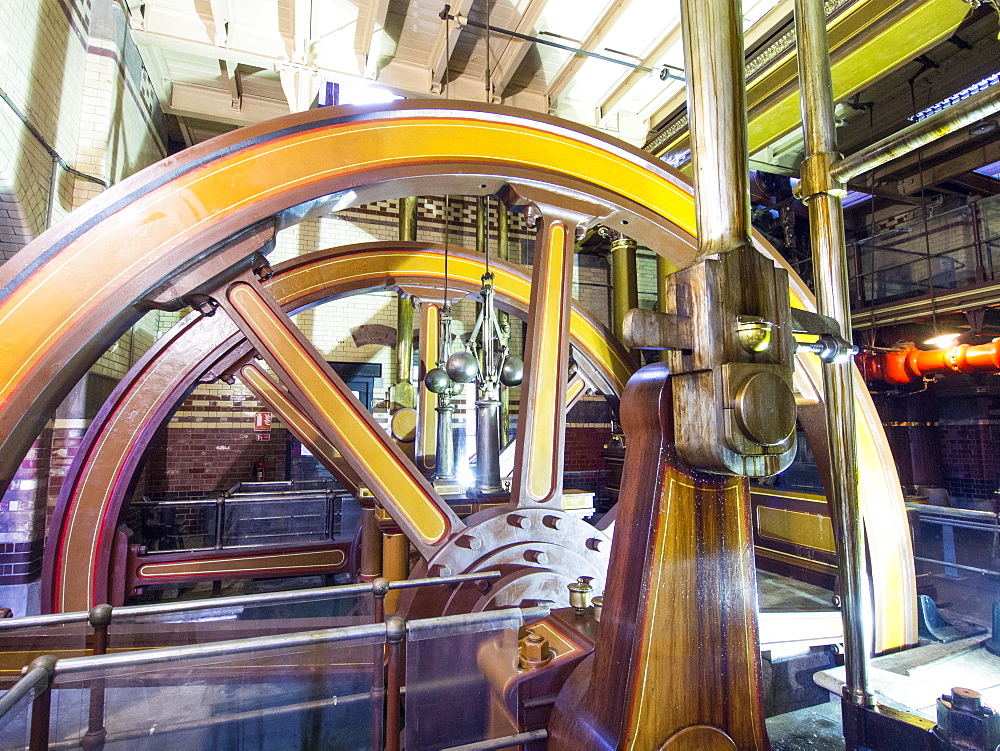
(677, 645)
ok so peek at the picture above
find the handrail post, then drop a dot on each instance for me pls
(395, 633)
(380, 587)
(41, 707)
(93, 740)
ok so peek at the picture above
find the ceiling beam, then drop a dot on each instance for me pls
(987, 153)
(221, 13)
(368, 36)
(670, 37)
(444, 44)
(233, 82)
(513, 55)
(591, 42)
(215, 105)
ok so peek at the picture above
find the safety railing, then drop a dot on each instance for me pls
(950, 519)
(241, 517)
(280, 684)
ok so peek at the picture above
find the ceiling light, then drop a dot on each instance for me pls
(943, 341)
(981, 129)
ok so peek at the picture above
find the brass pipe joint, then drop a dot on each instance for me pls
(816, 178)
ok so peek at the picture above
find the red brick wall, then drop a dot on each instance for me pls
(22, 515)
(203, 461)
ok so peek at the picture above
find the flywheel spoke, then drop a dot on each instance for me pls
(338, 415)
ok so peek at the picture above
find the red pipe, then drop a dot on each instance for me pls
(912, 364)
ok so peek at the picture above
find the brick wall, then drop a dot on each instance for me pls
(209, 445)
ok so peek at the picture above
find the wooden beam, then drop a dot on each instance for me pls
(591, 42)
(444, 44)
(513, 55)
(987, 153)
(668, 39)
(368, 36)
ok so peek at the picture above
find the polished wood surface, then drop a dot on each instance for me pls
(677, 645)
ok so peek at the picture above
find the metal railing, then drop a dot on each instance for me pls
(950, 519)
(102, 613)
(242, 517)
(38, 677)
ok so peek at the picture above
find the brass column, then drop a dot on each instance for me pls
(403, 393)
(624, 281)
(503, 253)
(663, 270)
(823, 195)
(395, 565)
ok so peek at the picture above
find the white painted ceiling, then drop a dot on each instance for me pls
(222, 63)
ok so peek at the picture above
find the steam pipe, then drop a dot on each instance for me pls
(912, 364)
(979, 105)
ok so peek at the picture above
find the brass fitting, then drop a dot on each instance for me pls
(533, 651)
(579, 593)
(816, 178)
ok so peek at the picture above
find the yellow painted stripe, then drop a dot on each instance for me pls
(236, 564)
(576, 386)
(360, 439)
(547, 382)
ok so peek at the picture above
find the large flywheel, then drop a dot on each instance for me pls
(192, 230)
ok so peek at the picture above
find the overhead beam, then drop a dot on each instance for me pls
(368, 36)
(215, 105)
(444, 44)
(233, 82)
(612, 14)
(986, 154)
(221, 13)
(516, 49)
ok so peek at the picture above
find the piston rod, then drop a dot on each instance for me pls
(823, 196)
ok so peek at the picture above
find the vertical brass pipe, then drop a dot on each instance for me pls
(395, 565)
(717, 110)
(403, 392)
(503, 252)
(624, 280)
(663, 270)
(371, 545)
(823, 196)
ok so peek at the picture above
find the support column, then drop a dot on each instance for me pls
(823, 196)
(395, 565)
(624, 281)
(403, 392)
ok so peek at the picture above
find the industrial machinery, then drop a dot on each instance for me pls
(678, 583)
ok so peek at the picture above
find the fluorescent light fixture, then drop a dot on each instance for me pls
(957, 97)
(943, 341)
